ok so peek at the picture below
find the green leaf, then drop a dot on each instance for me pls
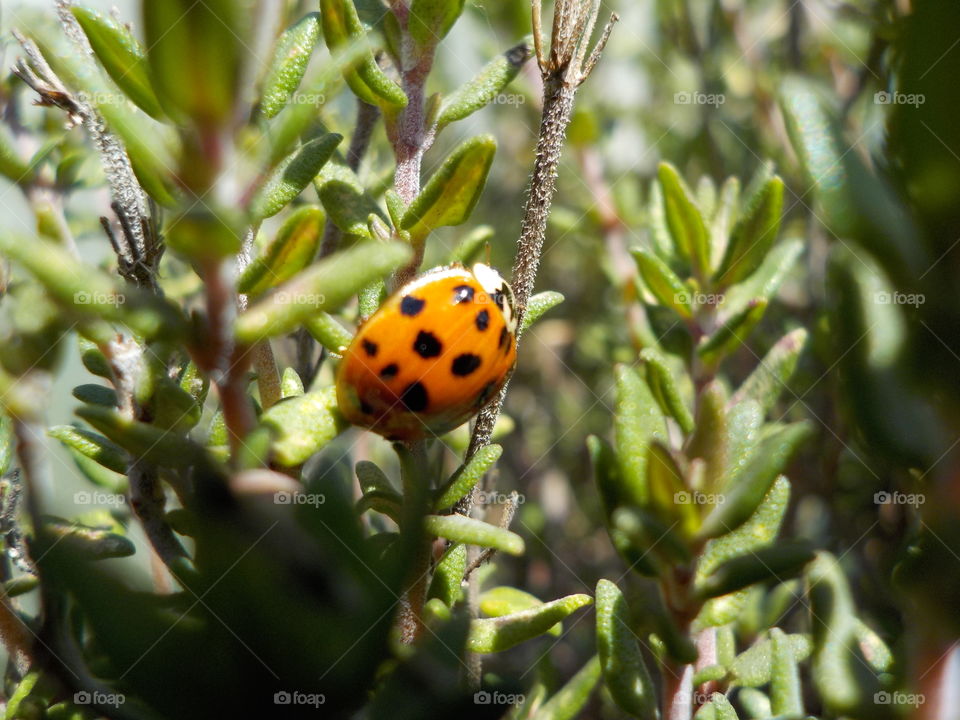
(786, 695)
(346, 201)
(95, 395)
(197, 51)
(754, 667)
(746, 490)
(290, 58)
(666, 287)
(20, 585)
(448, 575)
(637, 422)
(841, 675)
(733, 333)
(503, 600)
(710, 673)
(669, 499)
(341, 25)
(753, 235)
(156, 445)
(387, 503)
(430, 20)
(325, 285)
(776, 562)
(570, 699)
(122, 56)
(290, 384)
(709, 441)
(467, 476)
(12, 166)
(743, 433)
(755, 702)
(765, 282)
(300, 426)
(291, 250)
(462, 529)
(610, 486)
(624, 671)
(452, 192)
(723, 217)
(687, 228)
(7, 443)
(490, 635)
(719, 708)
(767, 381)
(94, 543)
(537, 305)
(650, 536)
(484, 87)
(91, 445)
(292, 175)
(327, 331)
(661, 380)
(875, 650)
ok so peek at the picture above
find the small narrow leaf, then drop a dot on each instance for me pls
(460, 528)
(663, 283)
(503, 600)
(684, 219)
(624, 670)
(571, 698)
(670, 501)
(430, 20)
(754, 234)
(467, 476)
(768, 380)
(786, 695)
(733, 333)
(91, 445)
(490, 635)
(776, 562)
(291, 250)
(372, 477)
(537, 305)
(325, 285)
(709, 441)
(292, 175)
(484, 87)
(661, 380)
(452, 192)
(448, 575)
(289, 63)
(142, 440)
(346, 201)
(341, 25)
(94, 543)
(754, 667)
(302, 425)
(637, 422)
(122, 56)
(746, 491)
(290, 384)
(327, 331)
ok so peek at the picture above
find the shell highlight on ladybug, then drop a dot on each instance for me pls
(433, 354)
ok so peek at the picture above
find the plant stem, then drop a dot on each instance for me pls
(415, 475)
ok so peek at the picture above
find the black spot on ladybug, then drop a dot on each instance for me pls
(365, 408)
(411, 306)
(465, 364)
(370, 347)
(389, 371)
(426, 345)
(503, 336)
(415, 398)
(462, 294)
(483, 320)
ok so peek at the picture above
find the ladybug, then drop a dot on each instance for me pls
(433, 354)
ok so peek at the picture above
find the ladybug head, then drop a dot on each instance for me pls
(499, 291)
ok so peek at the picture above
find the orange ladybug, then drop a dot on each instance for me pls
(433, 354)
